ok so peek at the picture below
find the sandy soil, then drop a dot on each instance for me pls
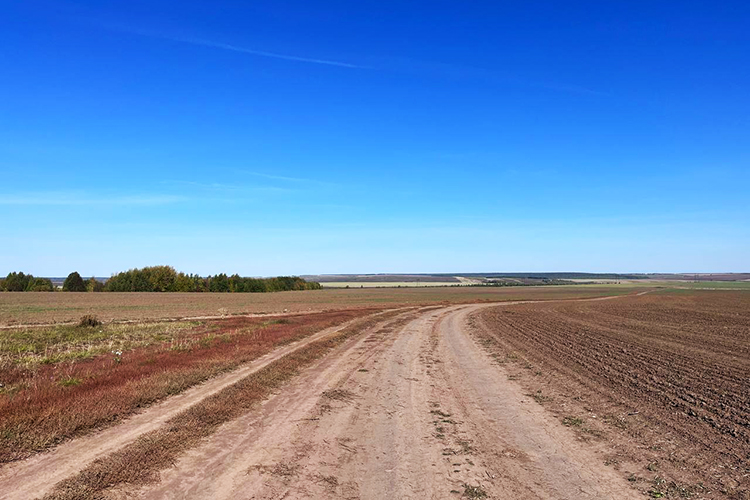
(412, 408)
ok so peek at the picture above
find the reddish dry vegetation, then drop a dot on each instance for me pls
(665, 377)
(60, 401)
(141, 461)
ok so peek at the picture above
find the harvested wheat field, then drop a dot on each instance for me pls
(623, 396)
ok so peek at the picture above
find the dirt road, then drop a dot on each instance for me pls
(419, 412)
(413, 408)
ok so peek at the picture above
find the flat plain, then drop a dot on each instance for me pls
(587, 391)
(59, 307)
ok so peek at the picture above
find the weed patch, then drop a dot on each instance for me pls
(572, 421)
(474, 492)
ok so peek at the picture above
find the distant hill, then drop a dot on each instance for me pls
(453, 277)
(381, 278)
(701, 276)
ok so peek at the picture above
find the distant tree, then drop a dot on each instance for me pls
(218, 283)
(236, 284)
(184, 283)
(140, 282)
(161, 278)
(40, 285)
(17, 282)
(120, 282)
(94, 285)
(166, 279)
(74, 283)
(255, 285)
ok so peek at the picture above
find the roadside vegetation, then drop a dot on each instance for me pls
(60, 382)
(141, 461)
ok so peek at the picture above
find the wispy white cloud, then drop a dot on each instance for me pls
(403, 65)
(75, 198)
(233, 48)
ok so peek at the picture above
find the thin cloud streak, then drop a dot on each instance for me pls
(261, 53)
(396, 64)
(201, 42)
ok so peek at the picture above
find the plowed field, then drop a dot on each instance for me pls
(668, 374)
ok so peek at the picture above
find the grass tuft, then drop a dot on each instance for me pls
(474, 492)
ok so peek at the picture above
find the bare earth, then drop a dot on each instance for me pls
(412, 408)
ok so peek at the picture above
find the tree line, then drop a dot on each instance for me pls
(158, 279)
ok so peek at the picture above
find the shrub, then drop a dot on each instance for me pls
(89, 320)
(74, 283)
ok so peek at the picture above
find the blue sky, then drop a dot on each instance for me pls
(323, 137)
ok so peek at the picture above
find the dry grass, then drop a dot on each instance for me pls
(141, 461)
(47, 403)
(29, 347)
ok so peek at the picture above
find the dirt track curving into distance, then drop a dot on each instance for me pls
(418, 411)
(410, 408)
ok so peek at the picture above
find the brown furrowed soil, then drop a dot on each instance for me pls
(59, 307)
(662, 379)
